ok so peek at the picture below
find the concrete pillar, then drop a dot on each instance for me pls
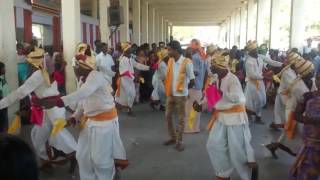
(237, 28)
(297, 24)
(162, 29)
(252, 20)
(232, 28)
(8, 46)
(166, 31)
(136, 22)
(71, 35)
(124, 28)
(171, 31)
(243, 26)
(263, 29)
(103, 14)
(157, 28)
(229, 32)
(94, 8)
(275, 23)
(145, 22)
(151, 25)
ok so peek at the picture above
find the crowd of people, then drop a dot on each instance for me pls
(234, 85)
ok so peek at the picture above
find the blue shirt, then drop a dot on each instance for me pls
(200, 68)
(316, 63)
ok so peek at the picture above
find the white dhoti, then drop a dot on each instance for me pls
(255, 98)
(229, 148)
(63, 141)
(99, 144)
(279, 110)
(127, 92)
(194, 95)
(158, 93)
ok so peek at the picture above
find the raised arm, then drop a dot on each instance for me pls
(139, 66)
(271, 62)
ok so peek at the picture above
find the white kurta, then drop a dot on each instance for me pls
(287, 78)
(99, 142)
(63, 141)
(104, 64)
(158, 78)
(127, 88)
(228, 144)
(256, 98)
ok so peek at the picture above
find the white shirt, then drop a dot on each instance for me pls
(93, 95)
(104, 64)
(232, 95)
(188, 76)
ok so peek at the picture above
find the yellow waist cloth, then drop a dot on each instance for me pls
(104, 116)
(256, 83)
(233, 109)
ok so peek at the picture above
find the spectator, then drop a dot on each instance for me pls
(4, 91)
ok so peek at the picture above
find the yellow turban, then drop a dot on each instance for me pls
(86, 62)
(293, 57)
(211, 49)
(162, 54)
(125, 46)
(36, 58)
(220, 61)
(303, 67)
(82, 47)
(251, 45)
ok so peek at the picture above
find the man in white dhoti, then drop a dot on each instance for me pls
(126, 91)
(158, 95)
(255, 91)
(100, 148)
(228, 144)
(294, 91)
(200, 65)
(40, 86)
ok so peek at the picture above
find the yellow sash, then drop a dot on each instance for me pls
(256, 83)
(233, 109)
(290, 125)
(181, 76)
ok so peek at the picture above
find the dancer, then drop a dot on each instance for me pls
(40, 86)
(100, 148)
(228, 144)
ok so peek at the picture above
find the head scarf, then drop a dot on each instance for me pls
(211, 49)
(293, 57)
(84, 61)
(220, 61)
(303, 67)
(36, 59)
(162, 54)
(196, 45)
(125, 46)
(251, 45)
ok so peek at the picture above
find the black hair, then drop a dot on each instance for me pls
(104, 44)
(176, 46)
(18, 161)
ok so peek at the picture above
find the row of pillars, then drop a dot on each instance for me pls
(151, 28)
(247, 23)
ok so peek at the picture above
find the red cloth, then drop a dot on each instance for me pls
(27, 15)
(59, 77)
(84, 32)
(213, 96)
(91, 36)
(56, 28)
(98, 33)
(127, 74)
(36, 111)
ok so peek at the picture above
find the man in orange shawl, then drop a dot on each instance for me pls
(179, 79)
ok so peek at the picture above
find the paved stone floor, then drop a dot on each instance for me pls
(144, 134)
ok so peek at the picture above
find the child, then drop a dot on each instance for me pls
(4, 91)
